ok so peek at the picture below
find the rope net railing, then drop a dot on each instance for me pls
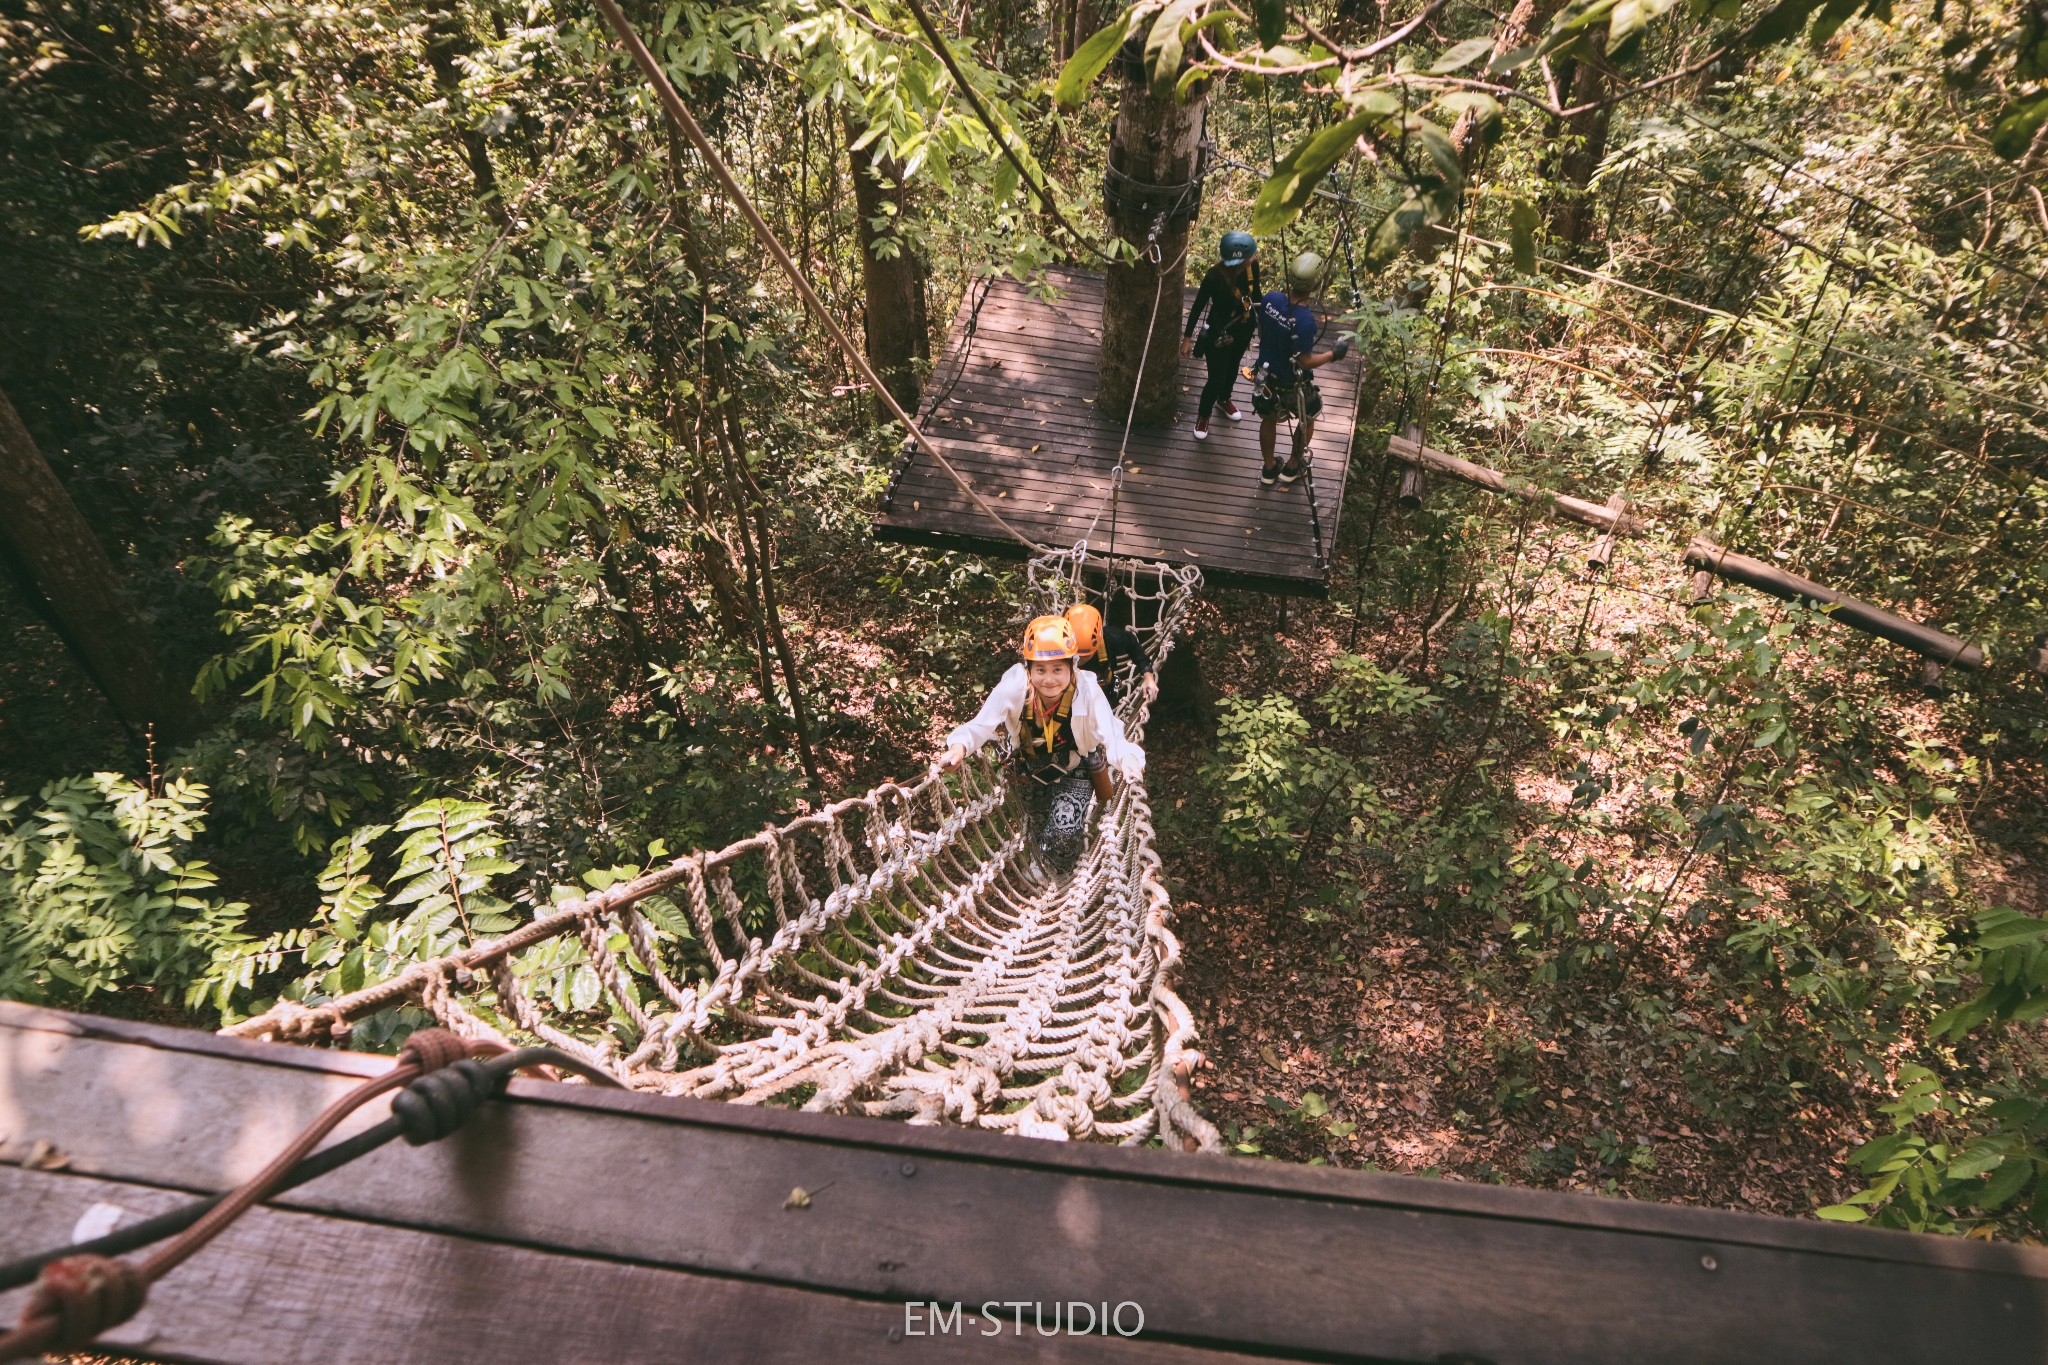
(896, 953)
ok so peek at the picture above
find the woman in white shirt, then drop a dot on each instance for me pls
(1064, 739)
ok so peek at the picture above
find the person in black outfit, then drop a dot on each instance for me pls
(1230, 293)
(1103, 645)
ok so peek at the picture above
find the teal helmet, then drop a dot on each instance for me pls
(1238, 247)
(1305, 273)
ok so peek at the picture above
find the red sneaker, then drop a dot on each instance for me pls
(1202, 430)
(1232, 411)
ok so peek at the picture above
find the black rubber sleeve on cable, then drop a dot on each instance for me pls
(14, 1274)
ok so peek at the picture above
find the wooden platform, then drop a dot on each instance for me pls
(575, 1225)
(1022, 424)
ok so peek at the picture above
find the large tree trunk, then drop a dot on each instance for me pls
(1153, 155)
(898, 335)
(56, 552)
(447, 40)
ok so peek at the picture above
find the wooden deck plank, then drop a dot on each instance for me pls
(291, 1288)
(1029, 380)
(1256, 1256)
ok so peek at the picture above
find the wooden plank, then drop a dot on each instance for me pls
(1938, 645)
(285, 1288)
(1340, 1264)
(1030, 375)
(18, 1061)
(1704, 556)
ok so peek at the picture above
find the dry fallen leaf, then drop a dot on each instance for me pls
(799, 1198)
(44, 1156)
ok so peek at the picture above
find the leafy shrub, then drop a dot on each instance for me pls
(97, 893)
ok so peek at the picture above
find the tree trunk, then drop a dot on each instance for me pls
(60, 559)
(1585, 146)
(447, 41)
(1153, 156)
(728, 436)
(892, 274)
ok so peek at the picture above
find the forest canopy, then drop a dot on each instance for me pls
(426, 497)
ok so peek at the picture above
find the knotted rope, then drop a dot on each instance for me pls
(893, 954)
(81, 1291)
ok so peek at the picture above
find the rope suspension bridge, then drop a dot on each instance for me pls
(908, 961)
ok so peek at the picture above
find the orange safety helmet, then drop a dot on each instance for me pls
(1087, 624)
(1048, 638)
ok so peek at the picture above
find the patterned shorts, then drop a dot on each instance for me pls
(1057, 820)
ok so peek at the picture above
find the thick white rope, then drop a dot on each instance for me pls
(893, 954)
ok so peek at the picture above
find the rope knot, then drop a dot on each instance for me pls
(441, 1101)
(85, 1295)
(430, 1049)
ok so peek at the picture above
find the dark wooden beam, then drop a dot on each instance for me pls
(1479, 476)
(1707, 557)
(1602, 552)
(1259, 1258)
(339, 1291)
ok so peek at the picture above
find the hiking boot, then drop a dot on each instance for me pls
(1268, 474)
(1201, 428)
(1294, 469)
(1232, 411)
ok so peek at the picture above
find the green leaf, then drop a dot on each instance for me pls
(1164, 47)
(2005, 1182)
(1272, 21)
(1514, 59)
(1842, 1213)
(1392, 233)
(1088, 61)
(1782, 21)
(2030, 1009)
(1523, 220)
(1565, 30)
(1630, 17)
(1982, 1157)
(1836, 13)
(2008, 929)
(1444, 156)
(2017, 126)
(1282, 198)
(1461, 56)
(584, 988)
(1484, 108)
(1960, 1020)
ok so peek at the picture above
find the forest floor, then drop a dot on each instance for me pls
(1380, 1036)
(1385, 1037)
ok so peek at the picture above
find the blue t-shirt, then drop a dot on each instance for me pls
(1286, 330)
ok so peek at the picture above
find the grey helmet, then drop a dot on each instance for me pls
(1305, 273)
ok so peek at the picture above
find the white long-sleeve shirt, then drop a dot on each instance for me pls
(1093, 720)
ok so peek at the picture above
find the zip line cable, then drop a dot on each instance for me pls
(685, 123)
